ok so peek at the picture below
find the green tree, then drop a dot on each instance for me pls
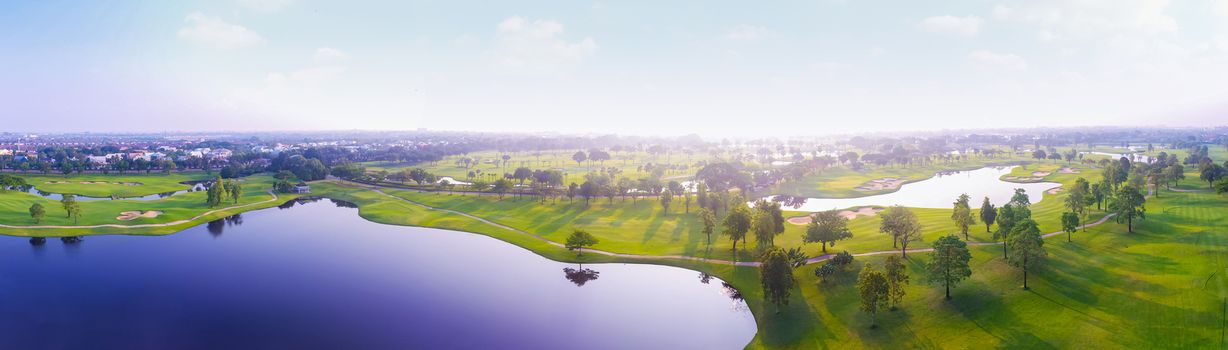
(37, 212)
(579, 157)
(988, 213)
(962, 214)
(776, 275)
(902, 225)
(1070, 224)
(709, 223)
(827, 227)
(216, 193)
(763, 228)
(873, 288)
(737, 223)
(897, 277)
(235, 190)
(580, 239)
(948, 264)
(666, 197)
(1027, 248)
(71, 207)
(1128, 204)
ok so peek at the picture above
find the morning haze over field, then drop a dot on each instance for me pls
(272, 174)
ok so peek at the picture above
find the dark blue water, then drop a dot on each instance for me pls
(317, 276)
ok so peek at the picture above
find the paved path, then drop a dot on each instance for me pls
(816, 259)
(172, 223)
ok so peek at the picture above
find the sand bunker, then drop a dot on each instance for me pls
(1041, 173)
(799, 220)
(1054, 190)
(886, 183)
(847, 214)
(1022, 178)
(1068, 170)
(863, 211)
(133, 215)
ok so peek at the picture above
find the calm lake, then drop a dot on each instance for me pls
(317, 276)
(939, 191)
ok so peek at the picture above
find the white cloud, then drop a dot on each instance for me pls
(328, 55)
(213, 31)
(965, 26)
(265, 5)
(988, 60)
(747, 32)
(525, 45)
(877, 51)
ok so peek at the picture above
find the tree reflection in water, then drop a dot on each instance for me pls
(732, 292)
(580, 275)
(216, 227)
(38, 241)
(704, 277)
(343, 204)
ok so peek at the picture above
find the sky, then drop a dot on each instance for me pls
(720, 68)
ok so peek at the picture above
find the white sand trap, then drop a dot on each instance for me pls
(863, 211)
(1022, 178)
(1068, 170)
(886, 183)
(1041, 173)
(799, 220)
(133, 215)
(1054, 190)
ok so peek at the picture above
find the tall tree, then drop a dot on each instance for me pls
(579, 157)
(37, 212)
(235, 190)
(897, 277)
(709, 220)
(666, 198)
(1128, 203)
(776, 275)
(873, 288)
(580, 239)
(736, 223)
(988, 213)
(1027, 248)
(763, 228)
(902, 225)
(962, 214)
(1070, 224)
(827, 227)
(948, 264)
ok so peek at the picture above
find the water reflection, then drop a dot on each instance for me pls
(580, 275)
(732, 292)
(348, 283)
(297, 201)
(38, 241)
(217, 227)
(936, 192)
(704, 277)
(343, 204)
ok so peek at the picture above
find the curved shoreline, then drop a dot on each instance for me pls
(687, 258)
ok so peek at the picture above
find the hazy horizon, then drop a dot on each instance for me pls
(713, 68)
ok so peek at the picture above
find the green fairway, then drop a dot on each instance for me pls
(1158, 287)
(103, 186)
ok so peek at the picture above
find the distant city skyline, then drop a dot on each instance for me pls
(715, 68)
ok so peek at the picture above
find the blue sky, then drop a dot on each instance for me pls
(651, 67)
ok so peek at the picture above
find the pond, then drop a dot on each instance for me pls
(1135, 157)
(196, 186)
(939, 191)
(315, 275)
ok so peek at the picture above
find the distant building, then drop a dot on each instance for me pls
(302, 187)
